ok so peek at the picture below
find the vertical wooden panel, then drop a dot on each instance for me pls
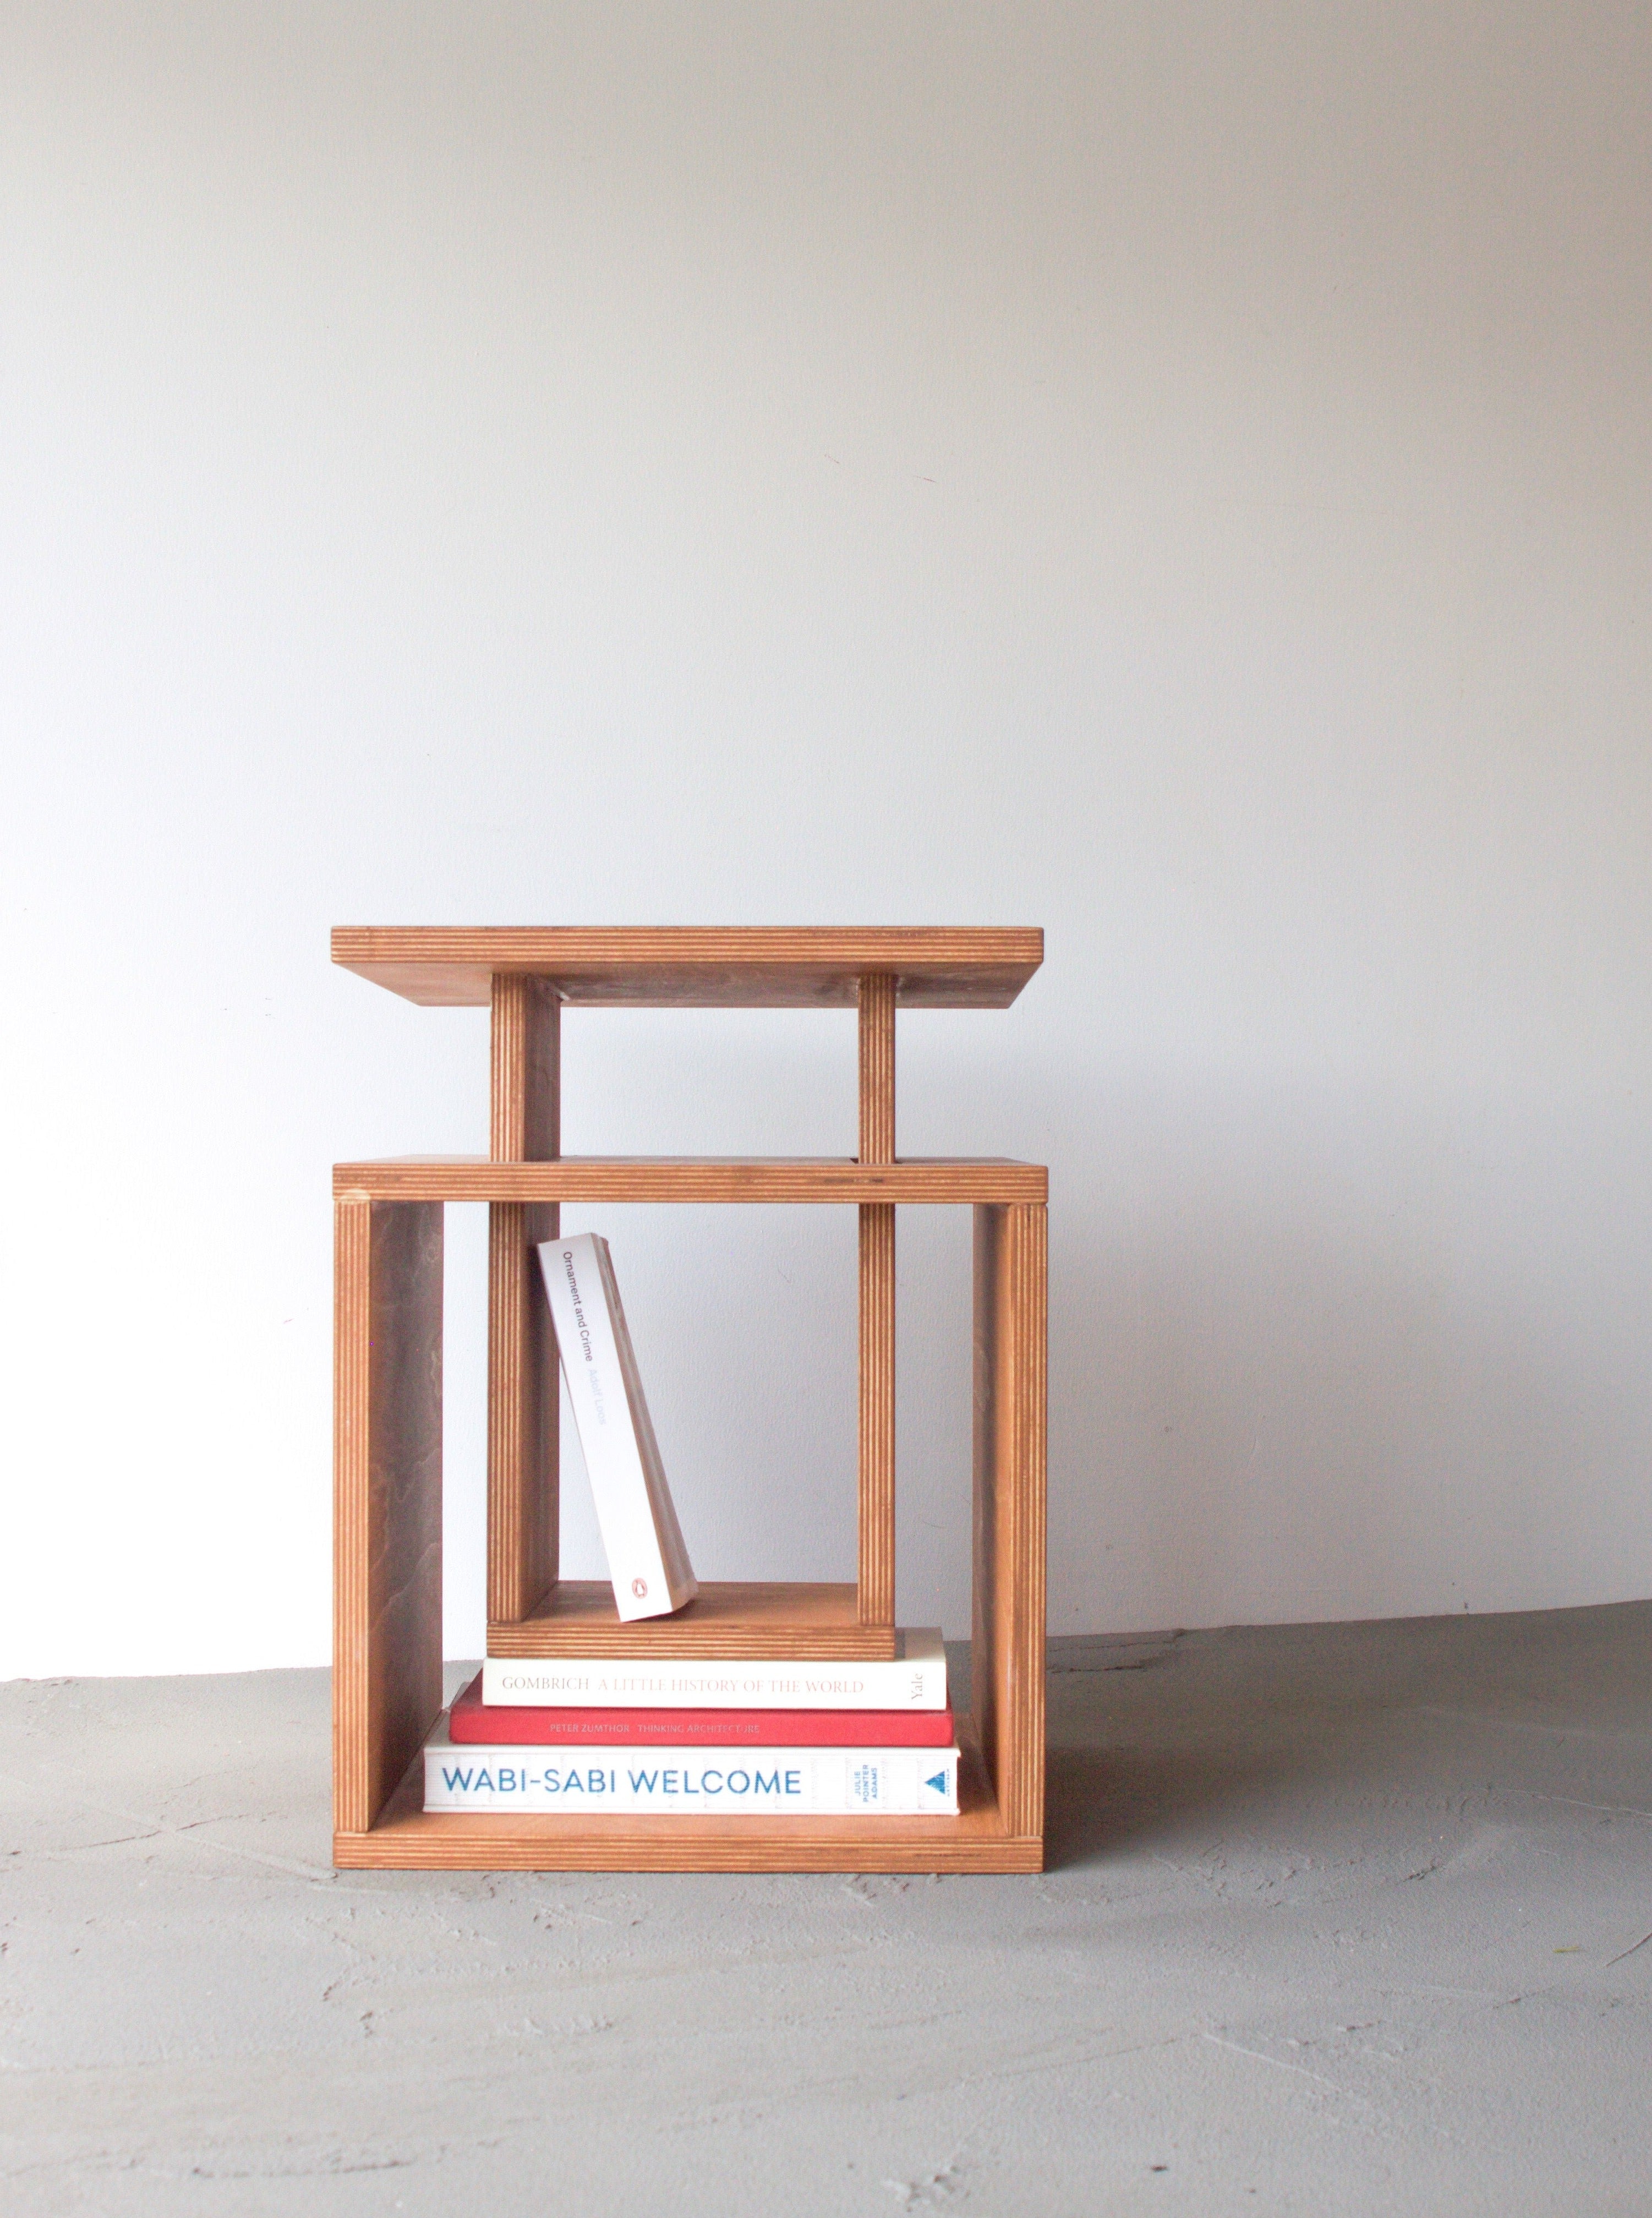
(875, 1567)
(524, 1125)
(1007, 1648)
(877, 1068)
(983, 1630)
(386, 1498)
(524, 1098)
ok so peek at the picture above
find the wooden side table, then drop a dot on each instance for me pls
(387, 1399)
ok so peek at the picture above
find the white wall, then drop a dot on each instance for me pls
(1175, 474)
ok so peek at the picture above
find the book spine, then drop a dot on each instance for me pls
(472, 1721)
(706, 1782)
(576, 1288)
(912, 1682)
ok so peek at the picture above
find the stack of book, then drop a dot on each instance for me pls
(717, 1739)
(756, 1735)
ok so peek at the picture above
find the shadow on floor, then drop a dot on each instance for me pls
(1157, 1735)
(1100, 1801)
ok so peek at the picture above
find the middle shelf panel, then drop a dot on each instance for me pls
(693, 1178)
(728, 1618)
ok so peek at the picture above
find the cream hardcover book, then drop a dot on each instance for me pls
(914, 1680)
(647, 1559)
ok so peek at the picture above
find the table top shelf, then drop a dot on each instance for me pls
(694, 966)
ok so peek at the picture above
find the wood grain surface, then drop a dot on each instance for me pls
(876, 1068)
(1007, 1634)
(698, 1178)
(689, 967)
(726, 1618)
(387, 1498)
(524, 1123)
(876, 1415)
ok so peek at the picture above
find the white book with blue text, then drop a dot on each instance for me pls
(914, 1680)
(647, 1559)
(716, 1782)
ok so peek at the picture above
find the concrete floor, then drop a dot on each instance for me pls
(1341, 1918)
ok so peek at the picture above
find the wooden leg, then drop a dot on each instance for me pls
(877, 1001)
(521, 1415)
(387, 1498)
(524, 1126)
(875, 1567)
(1007, 1648)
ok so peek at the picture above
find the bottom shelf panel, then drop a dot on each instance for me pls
(406, 1839)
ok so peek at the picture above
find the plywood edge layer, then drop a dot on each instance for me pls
(536, 1639)
(920, 1181)
(407, 1848)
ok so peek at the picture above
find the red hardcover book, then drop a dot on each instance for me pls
(473, 1719)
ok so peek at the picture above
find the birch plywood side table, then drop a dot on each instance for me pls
(387, 1399)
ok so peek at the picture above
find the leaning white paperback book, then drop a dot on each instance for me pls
(647, 1559)
(914, 1680)
(900, 1782)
